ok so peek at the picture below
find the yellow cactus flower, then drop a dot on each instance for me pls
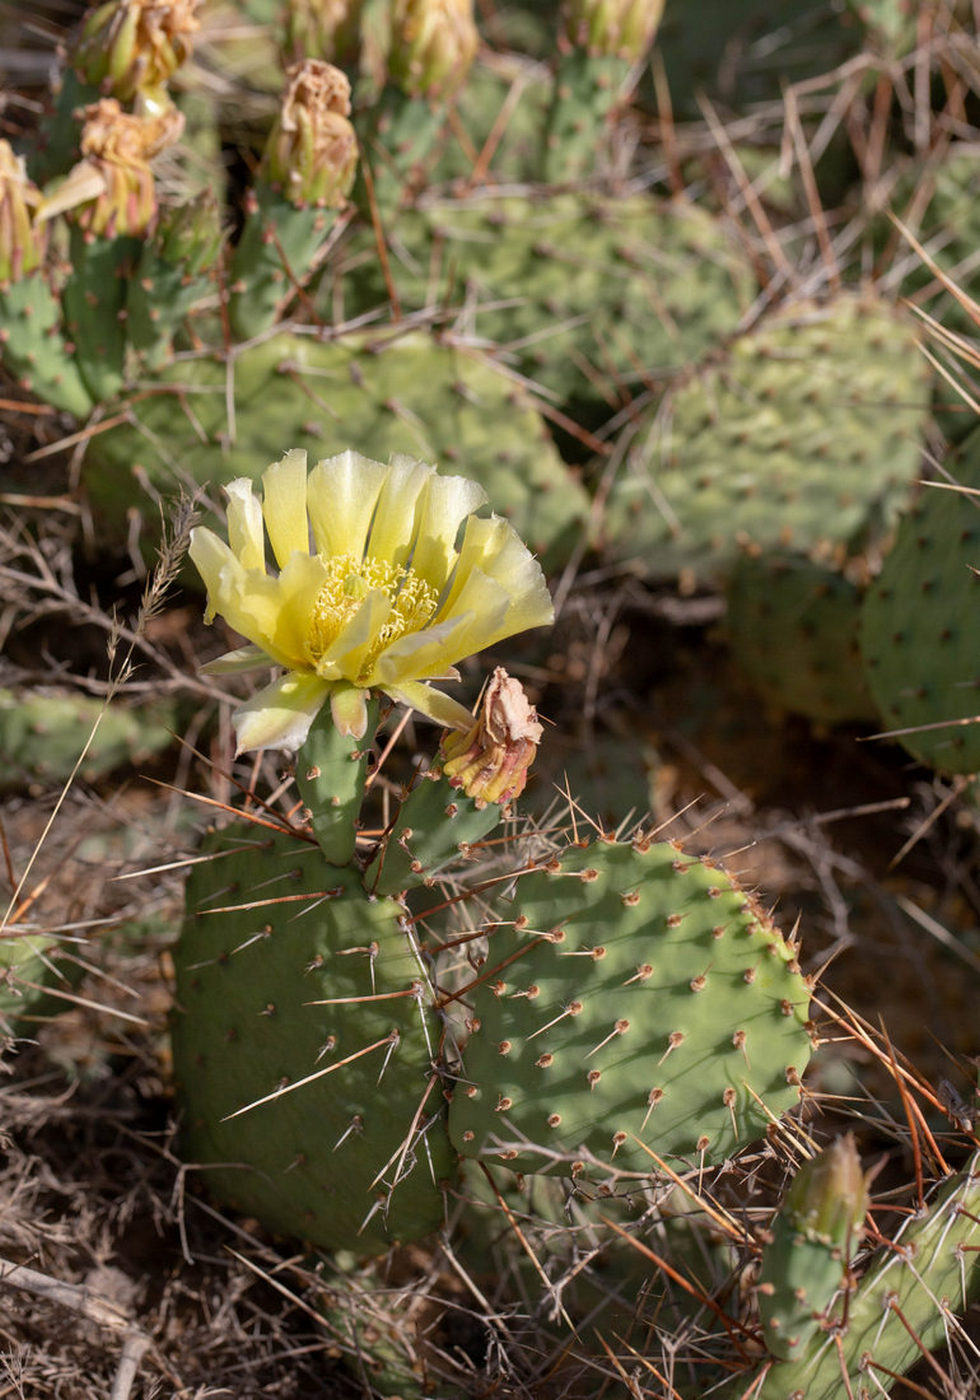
(386, 578)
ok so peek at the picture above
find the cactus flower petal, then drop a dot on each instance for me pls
(372, 592)
(280, 715)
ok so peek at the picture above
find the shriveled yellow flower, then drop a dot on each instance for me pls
(386, 578)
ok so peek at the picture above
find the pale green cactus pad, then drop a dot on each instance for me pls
(594, 299)
(43, 733)
(792, 625)
(296, 990)
(34, 970)
(217, 418)
(632, 996)
(918, 624)
(805, 435)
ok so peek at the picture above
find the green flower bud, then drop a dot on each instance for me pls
(613, 28)
(433, 43)
(189, 235)
(22, 244)
(132, 46)
(311, 154)
(828, 1197)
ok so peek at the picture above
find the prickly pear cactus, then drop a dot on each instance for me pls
(303, 1043)
(225, 417)
(792, 625)
(806, 435)
(33, 970)
(903, 1305)
(42, 734)
(808, 1246)
(591, 298)
(632, 997)
(917, 623)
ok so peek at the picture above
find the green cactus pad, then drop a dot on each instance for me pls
(894, 1314)
(631, 995)
(792, 625)
(42, 734)
(33, 970)
(94, 301)
(273, 257)
(331, 769)
(433, 828)
(592, 298)
(175, 274)
(230, 417)
(918, 624)
(806, 435)
(353, 1158)
(808, 1246)
(33, 348)
(587, 90)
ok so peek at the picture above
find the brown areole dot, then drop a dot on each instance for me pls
(593, 1077)
(641, 974)
(503, 1104)
(554, 1119)
(543, 1061)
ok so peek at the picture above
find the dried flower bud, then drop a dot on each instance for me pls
(613, 28)
(311, 154)
(828, 1197)
(433, 43)
(133, 46)
(490, 761)
(112, 187)
(21, 243)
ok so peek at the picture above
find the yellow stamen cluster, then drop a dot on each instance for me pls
(349, 581)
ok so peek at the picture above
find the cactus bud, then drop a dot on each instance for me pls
(311, 154)
(828, 1197)
(189, 235)
(135, 46)
(325, 29)
(21, 245)
(433, 43)
(613, 28)
(490, 761)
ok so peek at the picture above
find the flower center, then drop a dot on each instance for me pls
(348, 582)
